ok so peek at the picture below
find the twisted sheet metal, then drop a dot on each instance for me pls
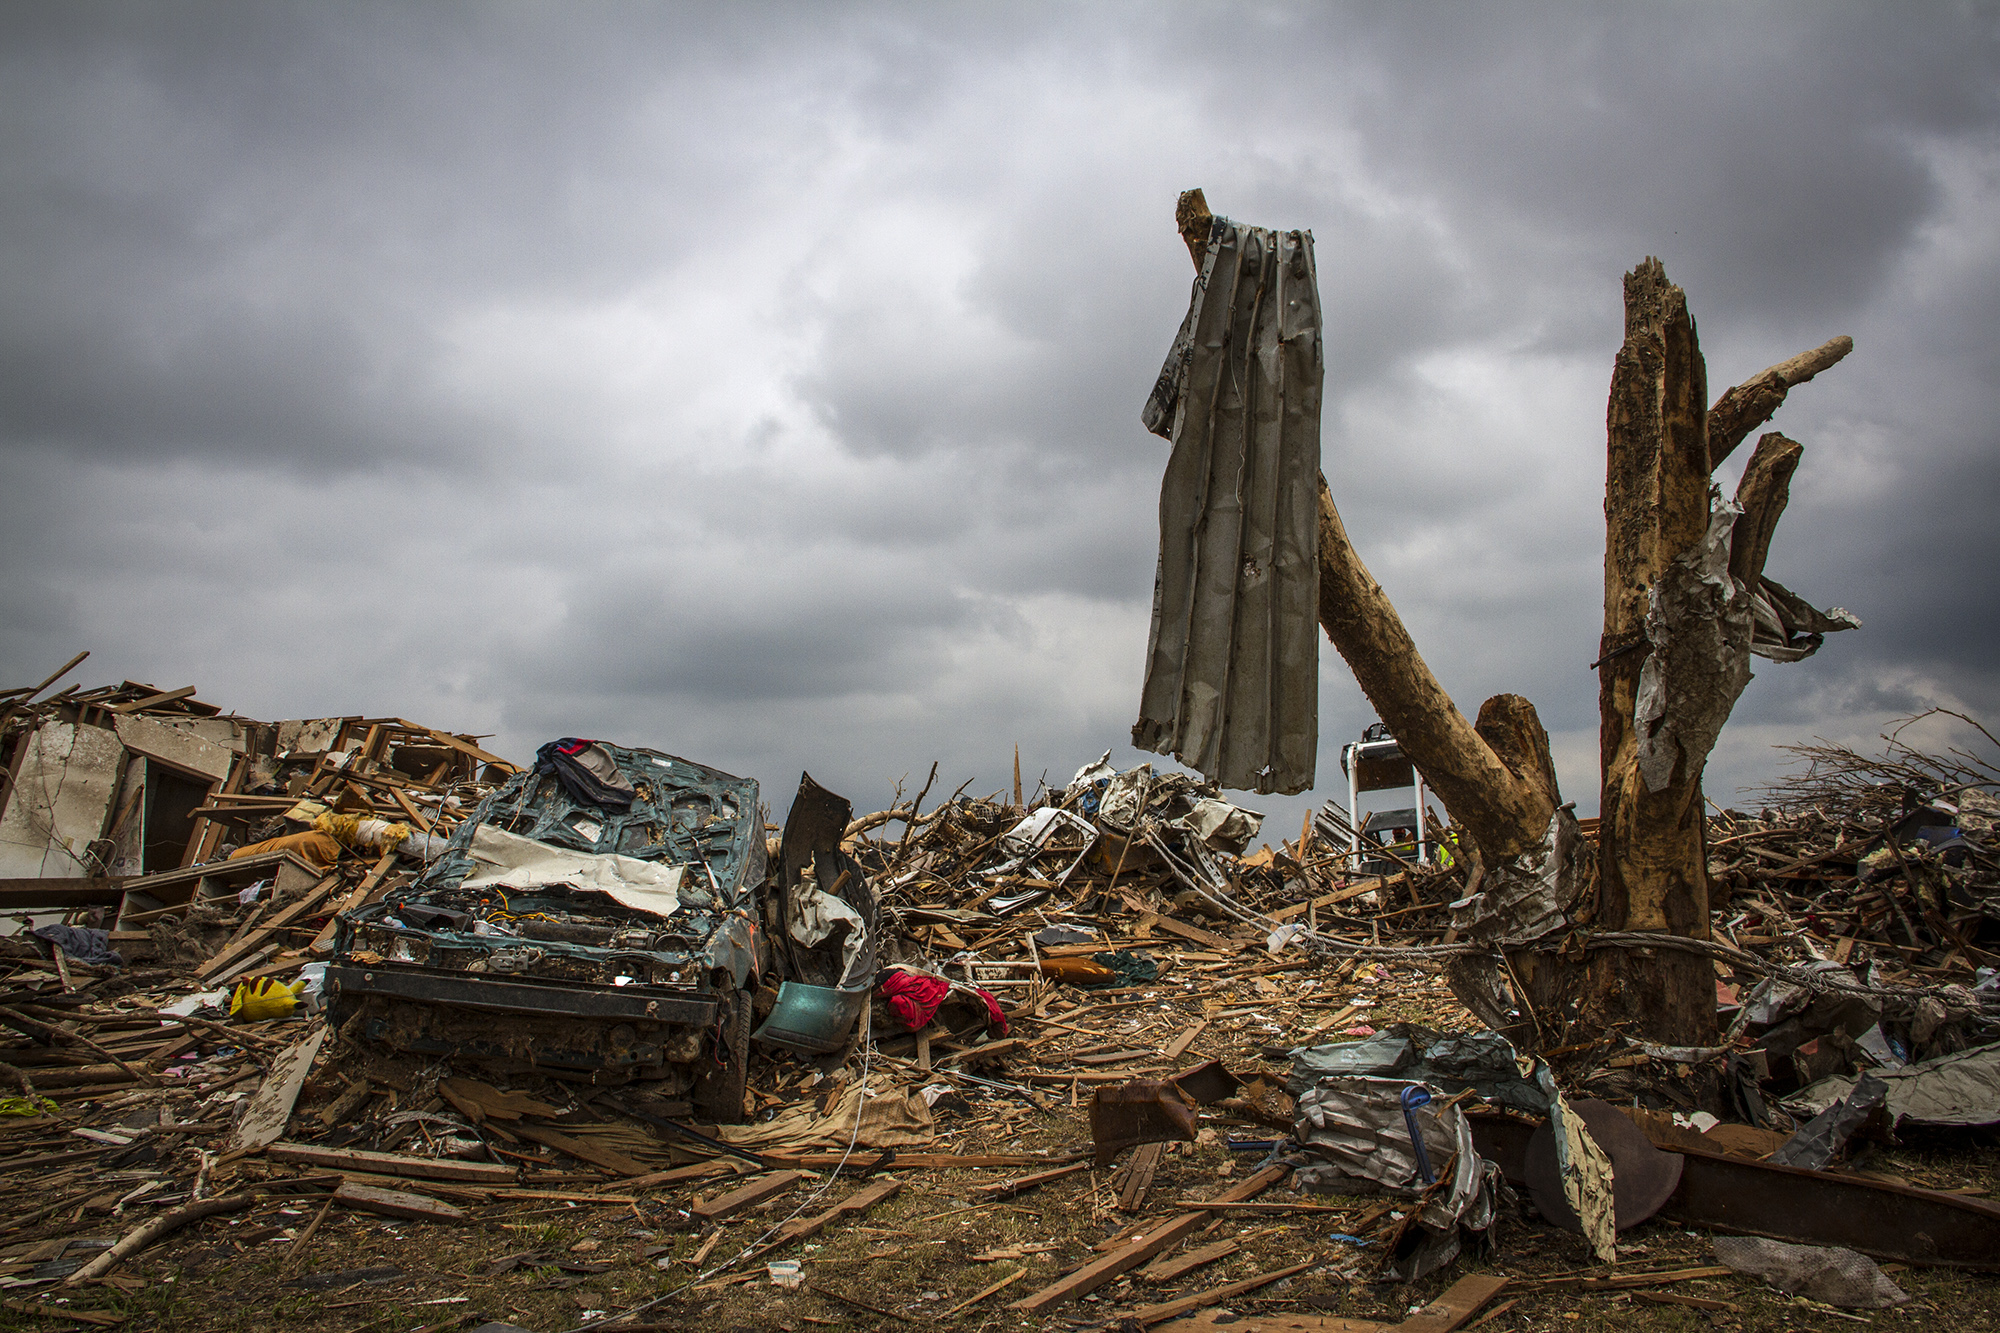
(1232, 660)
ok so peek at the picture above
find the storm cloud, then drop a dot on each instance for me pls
(762, 382)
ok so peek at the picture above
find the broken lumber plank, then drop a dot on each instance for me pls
(1178, 1046)
(991, 1050)
(1212, 1321)
(1625, 1280)
(1007, 1189)
(1692, 1302)
(922, 1161)
(393, 1164)
(693, 1171)
(1246, 1207)
(984, 1292)
(1355, 890)
(1139, 1176)
(1113, 1058)
(99, 1318)
(1155, 1314)
(747, 1196)
(853, 1205)
(1164, 1269)
(1095, 1274)
(238, 949)
(396, 1203)
(346, 1104)
(1460, 1301)
(580, 1149)
(271, 1108)
(364, 893)
(1195, 933)
(482, 1101)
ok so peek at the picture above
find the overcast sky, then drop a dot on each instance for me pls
(762, 383)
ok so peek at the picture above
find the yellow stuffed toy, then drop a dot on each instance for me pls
(264, 998)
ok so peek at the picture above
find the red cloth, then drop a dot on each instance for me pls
(996, 1020)
(914, 998)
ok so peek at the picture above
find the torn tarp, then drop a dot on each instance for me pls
(1525, 897)
(1702, 624)
(507, 859)
(1232, 661)
(1221, 826)
(1819, 1142)
(1952, 1091)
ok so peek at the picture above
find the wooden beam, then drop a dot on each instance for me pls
(1170, 1232)
(393, 1164)
(1007, 1189)
(154, 700)
(799, 1228)
(396, 1203)
(1153, 1314)
(1460, 1301)
(362, 895)
(236, 950)
(747, 1196)
(581, 1149)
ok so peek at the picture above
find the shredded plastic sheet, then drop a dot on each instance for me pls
(1829, 1274)
(510, 860)
(1224, 827)
(1698, 623)
(1702, 624)
(815, 914)
(1819, 1142)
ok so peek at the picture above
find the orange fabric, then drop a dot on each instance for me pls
(317, 848)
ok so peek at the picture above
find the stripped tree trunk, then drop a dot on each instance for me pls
(1680, 576)
(1652, 857)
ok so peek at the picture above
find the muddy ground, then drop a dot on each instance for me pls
(918, 1258)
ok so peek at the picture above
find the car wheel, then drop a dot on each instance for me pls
(719, 1091)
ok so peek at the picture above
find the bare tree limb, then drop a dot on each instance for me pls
(1750, 404)
(1763, 492)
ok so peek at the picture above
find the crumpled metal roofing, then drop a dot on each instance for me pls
(1232, 662)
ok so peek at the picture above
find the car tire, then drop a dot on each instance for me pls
(719, 1091)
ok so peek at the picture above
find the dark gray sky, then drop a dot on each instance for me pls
(762, 382)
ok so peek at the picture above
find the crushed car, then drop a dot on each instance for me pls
(604, 917)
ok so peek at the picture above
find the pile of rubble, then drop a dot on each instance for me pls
(592, 1023)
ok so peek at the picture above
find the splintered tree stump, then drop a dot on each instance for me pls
(1652, 846)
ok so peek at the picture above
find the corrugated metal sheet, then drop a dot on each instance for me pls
(1232, 663)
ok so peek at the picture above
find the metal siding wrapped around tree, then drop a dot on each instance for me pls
(1232, 663)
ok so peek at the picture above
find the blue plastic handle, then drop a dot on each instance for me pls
(1413, 1097)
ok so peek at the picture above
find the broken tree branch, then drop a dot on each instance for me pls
(1504, 805)
(1763, 492)
(1750, 404)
